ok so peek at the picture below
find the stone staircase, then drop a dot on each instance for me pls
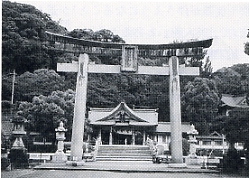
(123, 153)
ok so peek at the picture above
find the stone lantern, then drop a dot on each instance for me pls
(192, 140)
(18, 153)
(59, 155)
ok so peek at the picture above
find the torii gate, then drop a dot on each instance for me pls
(129, 64)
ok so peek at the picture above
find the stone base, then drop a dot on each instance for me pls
(59, 157)
(19, 157)
(75, 163)
(193, 161)
(177, 165)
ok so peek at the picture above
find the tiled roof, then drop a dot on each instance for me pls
(106, 116)
(234, 101)
(214, 135)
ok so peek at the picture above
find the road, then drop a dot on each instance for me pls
(100, 174)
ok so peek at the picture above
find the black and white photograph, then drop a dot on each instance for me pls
(119, 89)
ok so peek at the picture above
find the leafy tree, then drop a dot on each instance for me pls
(43, 116)
(233, 80)
(247, 45)
(236, 130)
(207, 68)
(236, 127)
(247, 48)
(200, 103)
(28, 85)
(45, 112)
(103, 35)
(87, 34)
(219, 123)
(23, 35)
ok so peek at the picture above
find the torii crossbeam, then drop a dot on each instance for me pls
(129, 64)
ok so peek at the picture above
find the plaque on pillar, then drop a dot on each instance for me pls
(129, 59)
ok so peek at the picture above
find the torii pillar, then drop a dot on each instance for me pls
(175, 111)
(79, 112)
(129, 64)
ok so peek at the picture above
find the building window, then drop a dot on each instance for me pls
(219, 143)
(206, 142)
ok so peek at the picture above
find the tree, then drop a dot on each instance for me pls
(232, 80)
(87, 34)
(23, 36)
(236, 130)
(247, 48)
(247, 45)
(28, 85)
(200, 103)
(236, 127)
(44, 113)
(207, 68)
(43, 116)
(103, 35)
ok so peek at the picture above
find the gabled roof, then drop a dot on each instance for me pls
(213, 135)
(123, 115)
(234, 101)
(122, 111)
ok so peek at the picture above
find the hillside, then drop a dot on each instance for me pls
(233, 80)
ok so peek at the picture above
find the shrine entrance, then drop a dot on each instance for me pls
(129, 64)
(122, 139)
(122, 125)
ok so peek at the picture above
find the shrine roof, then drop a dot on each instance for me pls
(234, 101)
(214, 135)
(123, 115)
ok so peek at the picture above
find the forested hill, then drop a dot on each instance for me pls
(23, 34)
(23, 31)
(233, 80)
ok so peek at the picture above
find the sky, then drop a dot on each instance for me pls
(161, 22)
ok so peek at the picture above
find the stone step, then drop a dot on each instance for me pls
(122, 147)
(124, 158)
(125, 151)
(123, 154)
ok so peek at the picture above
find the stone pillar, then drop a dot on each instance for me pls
(133, 137)
(100, 139)
(79, 112)
(192, 140)
(59, 155)
(110, 137)
(175, 111)
(144, 135)
(155, 138)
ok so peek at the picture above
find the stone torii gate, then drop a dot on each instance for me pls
(129, 64)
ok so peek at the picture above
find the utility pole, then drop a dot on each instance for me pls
(13, 86)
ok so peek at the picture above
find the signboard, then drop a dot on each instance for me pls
(129, 59)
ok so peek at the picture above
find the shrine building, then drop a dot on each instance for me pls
(123, 125)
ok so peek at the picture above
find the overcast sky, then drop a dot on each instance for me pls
(161, 22)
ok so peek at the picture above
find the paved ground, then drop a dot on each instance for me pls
(102, 174)
(123, 166)
(98, 174)
(112, 169)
